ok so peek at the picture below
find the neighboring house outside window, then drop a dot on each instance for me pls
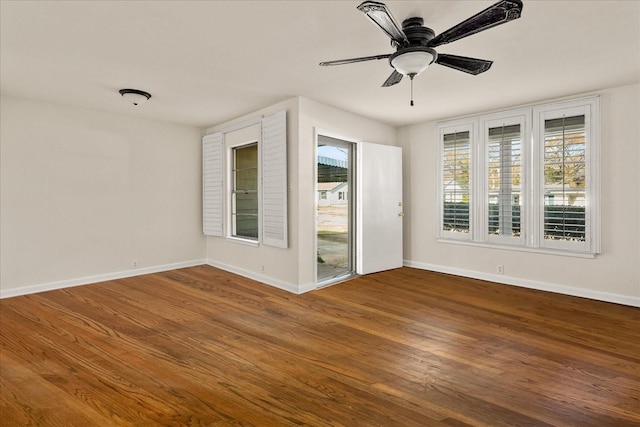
(332, 193)
(527, 178)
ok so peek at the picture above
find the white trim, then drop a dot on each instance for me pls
(530, 284)
(589, 108)
(242, 241)
(229, 160)
(355, 191)
(87, 280)
(456, 126)
(261, 278)
(548, 251)
(514, 117)
(240, 125)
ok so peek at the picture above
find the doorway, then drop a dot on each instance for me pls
(335, 223)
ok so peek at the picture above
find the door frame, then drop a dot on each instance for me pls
(352, 204)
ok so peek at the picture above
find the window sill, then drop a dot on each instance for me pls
(242, 241)
(545, 251)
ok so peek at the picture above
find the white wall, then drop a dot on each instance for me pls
(294, 268)
(271, 265)
(84, 193)
(614, 275)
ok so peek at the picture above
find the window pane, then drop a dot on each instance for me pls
(565, 179)
(504, 174)
(455, 182)
(244, 202)
(246, 157)
(246, 179)
(245, 214)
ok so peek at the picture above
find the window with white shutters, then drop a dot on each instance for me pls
(245, 184)
(536, 183)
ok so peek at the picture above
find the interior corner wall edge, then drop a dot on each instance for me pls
(616, 271)
(87, 193)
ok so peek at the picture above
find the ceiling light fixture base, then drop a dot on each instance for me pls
(135, 96)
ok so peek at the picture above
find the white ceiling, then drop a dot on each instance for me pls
(206, 62)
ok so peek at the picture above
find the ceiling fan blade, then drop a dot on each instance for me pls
(462, 63)
(381, 16)
(499, 13)
(352, 60)
(393, 79)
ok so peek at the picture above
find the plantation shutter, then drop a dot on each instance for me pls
(456, 182)
(274, 180)
(213, 184)
(504, 173)
(565, 179)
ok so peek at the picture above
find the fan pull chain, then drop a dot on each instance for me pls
(411, 78)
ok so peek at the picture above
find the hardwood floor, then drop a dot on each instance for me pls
(203, 347)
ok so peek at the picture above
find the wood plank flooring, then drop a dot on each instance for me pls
(203, 347)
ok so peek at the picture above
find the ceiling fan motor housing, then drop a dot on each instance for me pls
(413, 58)
(416, 32)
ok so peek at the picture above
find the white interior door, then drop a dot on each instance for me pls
(379, 208)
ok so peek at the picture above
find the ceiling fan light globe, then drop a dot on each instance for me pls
(413, 62)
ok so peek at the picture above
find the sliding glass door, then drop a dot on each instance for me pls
(335, 197)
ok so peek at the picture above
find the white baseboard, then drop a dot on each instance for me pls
(531, 284)
(44, 287)
(507, 280)
(260, 278)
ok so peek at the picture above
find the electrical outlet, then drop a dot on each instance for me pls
(500, 269)
(262, 268)
(134, 263)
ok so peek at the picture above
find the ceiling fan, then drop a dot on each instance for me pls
(415, 43)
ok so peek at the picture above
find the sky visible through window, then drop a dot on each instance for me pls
(332, 152)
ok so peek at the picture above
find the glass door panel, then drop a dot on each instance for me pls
(334, 210)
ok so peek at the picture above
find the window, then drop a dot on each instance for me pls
(564, 176)
(536, 183)
(244, 182)
(504, 179)
(456, 181)
(504, 149)
(244, 194)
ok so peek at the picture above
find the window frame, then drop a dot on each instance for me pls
(590, 108)
(513, 117)
(532, 197)
(456, 126)
(232, 200)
